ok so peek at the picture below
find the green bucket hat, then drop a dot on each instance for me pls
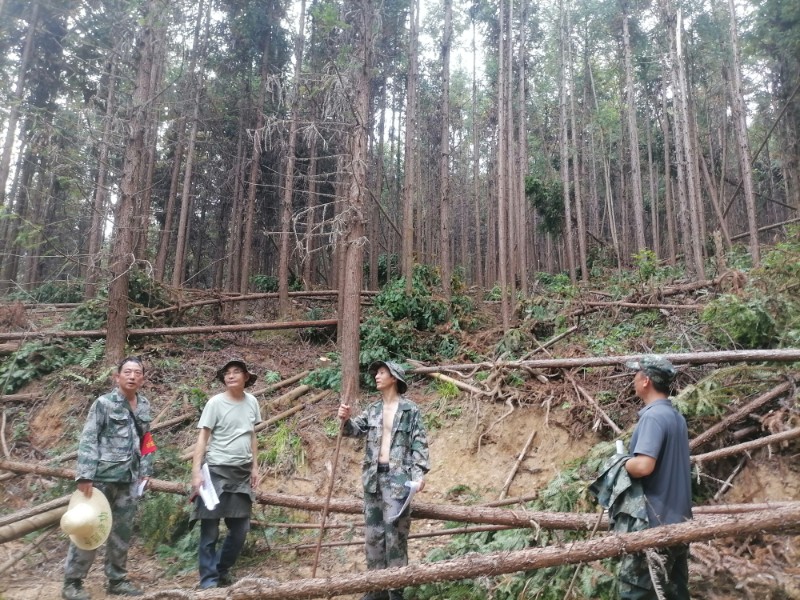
(396, 371)
(656, 367)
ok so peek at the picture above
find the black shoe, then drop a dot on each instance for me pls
(73, 590)
(226, 579)
(123, 587)
(395, 594)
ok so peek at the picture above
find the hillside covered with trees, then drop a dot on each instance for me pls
(510, 198)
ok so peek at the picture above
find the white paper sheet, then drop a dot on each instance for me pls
(207, 491)
(413, 488)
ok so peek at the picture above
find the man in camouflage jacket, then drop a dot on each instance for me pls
(110, 458)
(396, 452)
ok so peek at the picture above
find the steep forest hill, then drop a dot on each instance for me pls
(480, 421)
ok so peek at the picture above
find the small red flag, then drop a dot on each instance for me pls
(148, 445)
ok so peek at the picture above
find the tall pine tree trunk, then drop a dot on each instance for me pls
(409, 182)
(288, 188)
(126, 221)
(445, 232)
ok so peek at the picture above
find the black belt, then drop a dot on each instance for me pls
(383, 467)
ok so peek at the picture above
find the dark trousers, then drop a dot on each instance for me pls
(213, 563)
(668, 568)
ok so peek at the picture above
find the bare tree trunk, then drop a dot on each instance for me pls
(407, 253)
(16, 102)
(522, 148)
(288, 188)
(186, 197)
(575, 146)
(311, 222)
(564, 138)
(255, 175)
(165, 236)
(354, 212)
(740, 129)
(651, 179)
(444, 159)
(477, 260)
(669, 195)
(122, 259)
(633, 136)
(502, 157)
(97, 226)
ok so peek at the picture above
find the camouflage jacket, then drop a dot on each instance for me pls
(408, 453)
(109, 448)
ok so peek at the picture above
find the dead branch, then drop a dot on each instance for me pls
(751, 406)
(608, 546)
(159, 331)
(747, 446)
(582, 392)
(517, 463)
(684, 358)
(27, 549)
(249, 297)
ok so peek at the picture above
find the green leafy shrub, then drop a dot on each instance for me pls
(264, 283)
(283, 449)
(54, 292)
(733, 320)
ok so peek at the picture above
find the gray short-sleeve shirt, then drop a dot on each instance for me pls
(661, 433)
(231, 423)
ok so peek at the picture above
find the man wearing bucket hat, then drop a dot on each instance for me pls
(396, 454)
(228, 446)
(660, 460)
(114, 457)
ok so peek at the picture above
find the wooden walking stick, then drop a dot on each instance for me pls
(328, 499)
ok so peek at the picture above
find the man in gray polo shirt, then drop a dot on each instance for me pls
(660, 450)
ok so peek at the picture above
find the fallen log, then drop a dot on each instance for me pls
(260, 296)
(740, 414)
(685, 358)
(16, 530)
(782, 520)
(19, 397)
(783, 436)
(281, 384)
(34, 510)
(155, 331)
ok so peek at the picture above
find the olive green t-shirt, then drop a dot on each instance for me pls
(232, 425)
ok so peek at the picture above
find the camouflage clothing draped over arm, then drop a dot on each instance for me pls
(109, 447)
(408, 453)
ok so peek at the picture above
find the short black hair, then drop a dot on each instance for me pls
(127, 359)
(658, 384)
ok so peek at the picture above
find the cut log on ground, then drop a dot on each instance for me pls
(751, 406)
(281, 384)
(27, 549)
(782, 520)
(685, 358)
(161, 331)
(250, 297)
(34, 510)
(19, 397)
(18, 529)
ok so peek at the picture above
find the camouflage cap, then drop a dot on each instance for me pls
(656, 367)
(395, 369)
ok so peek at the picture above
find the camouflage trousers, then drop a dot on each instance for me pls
(386, 543)
(666, 568)
(123, 509)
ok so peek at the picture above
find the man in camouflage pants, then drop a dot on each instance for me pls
(396, 452)
(110, 457)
